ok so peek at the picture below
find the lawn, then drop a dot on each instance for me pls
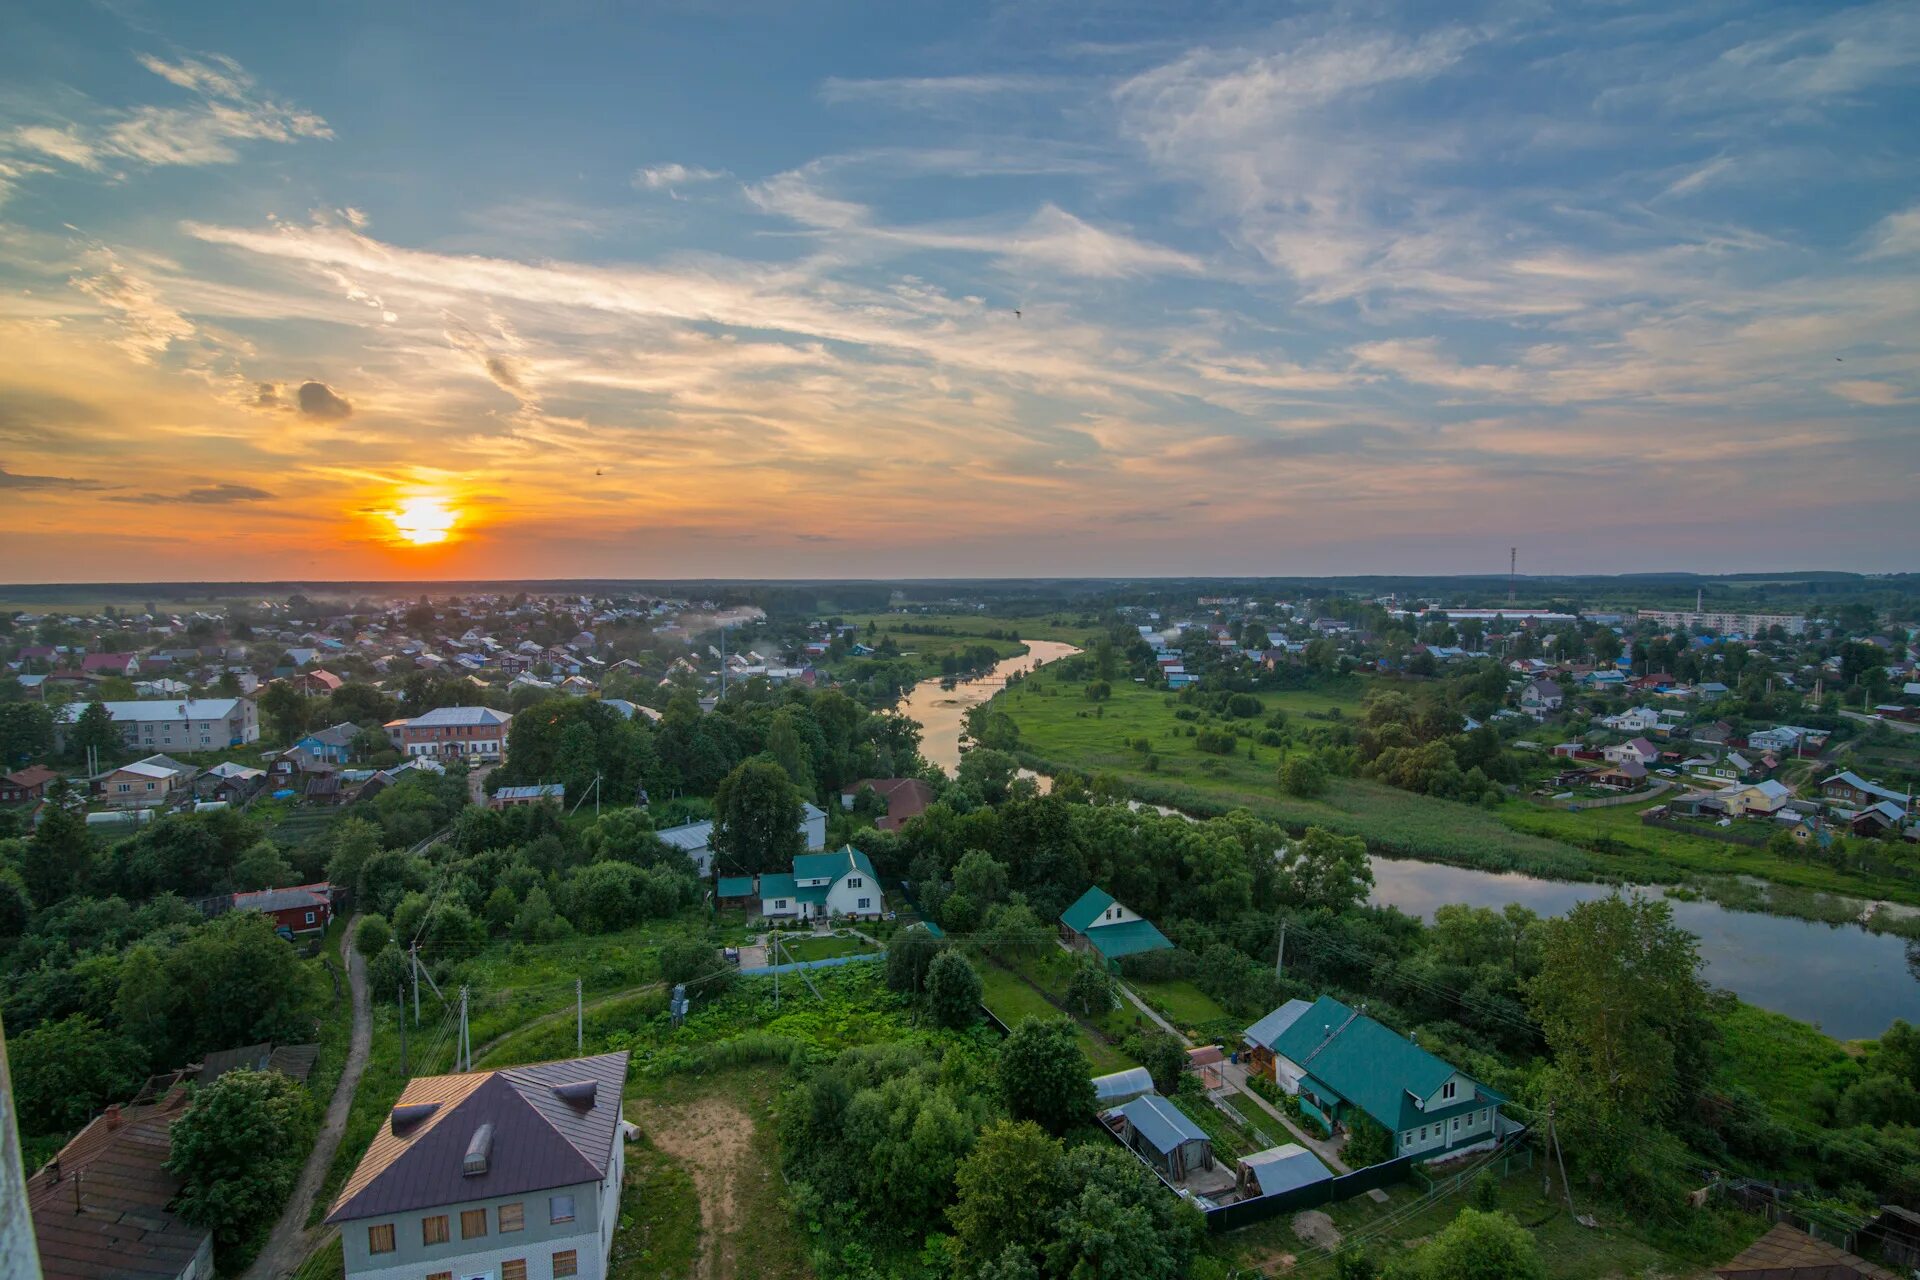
(1780, 1061)
(1013, 1001)
(825, 948)
(1180, 1002)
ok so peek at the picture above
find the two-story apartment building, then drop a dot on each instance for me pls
(491, 1175)
(452, 731)
(1338, 1061)
(195, 724)
(824, 885)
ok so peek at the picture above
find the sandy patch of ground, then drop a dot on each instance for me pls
(714, 1139)
(1316, 1228)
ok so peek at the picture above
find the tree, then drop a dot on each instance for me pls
(1118, 1223)
(1482, 1246)
(1321, 869)
(1302, 774)
(95, 729)
(285, 710)
(1164, 1059)
(1090, 989)
(987, 773)
(371, 936)
(980, 877)
(237, 1150)
(685, 959)
(57, 857)
(1008, 1187)
(909, 955)
(65, 1071)
(236, 982)
(1044, 1075)
(757, 817)
(262, 866)
(1368, 1143)
(953, 990)
(355, 840)
(26, 733)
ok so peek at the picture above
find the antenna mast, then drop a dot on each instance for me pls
(1513, 563)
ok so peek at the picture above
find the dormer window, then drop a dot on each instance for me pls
(1447, 1091)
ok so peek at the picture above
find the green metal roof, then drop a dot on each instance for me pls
(1377, 1070)
(777, 885)
(1128, 938)
(1087, 910)
(736, 886)
(813, 866)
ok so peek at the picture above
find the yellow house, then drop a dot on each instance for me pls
(1762, 798)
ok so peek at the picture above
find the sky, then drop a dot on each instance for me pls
(751, 289)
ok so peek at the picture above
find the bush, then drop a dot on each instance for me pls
(953, 990)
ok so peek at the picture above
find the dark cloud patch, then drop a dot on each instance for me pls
(505, 372)
(212, 495)
(30, 415)
(268, 397)
(318, 400)
(13, 480)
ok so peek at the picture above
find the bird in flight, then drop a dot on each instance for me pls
(1016, 313)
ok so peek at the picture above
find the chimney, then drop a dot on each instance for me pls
(113, 1115)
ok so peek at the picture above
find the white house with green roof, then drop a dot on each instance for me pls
(1337, 1061)
(823, 885)
(1097, 922)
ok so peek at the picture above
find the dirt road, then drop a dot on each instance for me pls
(291, 1240)
(714, 1139)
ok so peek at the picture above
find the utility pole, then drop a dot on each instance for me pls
(413, 954)
(773, 936)
(1280, 956)
(1553, 1138)
(465, 1050)
(1513, 565)
(401, 993)
(579, 1019)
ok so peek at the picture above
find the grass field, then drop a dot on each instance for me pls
(1013, 1001)
(972, 627)
(825, 948)
(1180, 1002)
(1060, 729)
(1780, 1060)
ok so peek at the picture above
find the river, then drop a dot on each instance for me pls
(940, 711)
(1841, 978)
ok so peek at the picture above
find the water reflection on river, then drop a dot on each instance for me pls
(1850, 982)
(939, 711)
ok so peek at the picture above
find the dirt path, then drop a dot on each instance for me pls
(714, 1139)
(291, 1240)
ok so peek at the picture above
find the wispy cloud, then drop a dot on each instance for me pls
(15, 480)
(925, 91)
(666, 177)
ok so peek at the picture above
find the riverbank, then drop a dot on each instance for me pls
(1136, 737)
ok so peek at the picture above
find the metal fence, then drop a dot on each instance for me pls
(1243, 1213)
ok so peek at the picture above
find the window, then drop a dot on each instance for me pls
(560, 1209)
(309, 917)
(435, 1230)
(123, 786)
(473, 1223)
(566, 1263)
(1447, 1090)
(380, 1238)
(866, 904)
(1456, 1124)
(779, 904)
(511, 1217)
(1406, 1139)
(513, 1269)
(1423, 1133)
(440, 1275)
(854, 882)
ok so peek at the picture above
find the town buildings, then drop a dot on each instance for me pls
(823, 886)
(1745, 624)
(452, 731)
(1097, 923)
(197, 724)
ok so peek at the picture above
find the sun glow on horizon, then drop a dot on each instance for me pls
(424, 519)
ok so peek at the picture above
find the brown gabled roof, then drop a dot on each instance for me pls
(540, 1139)
(100, 1207)
(33, 775)
(1785, 1253)
(906, 798)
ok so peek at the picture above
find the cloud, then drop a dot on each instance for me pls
(668, 176)
(925, 91)
(1896, 235)
(213, 495)
(14, 480)
(227, 111)
(1866, 391)
(149, 325)
(317, 400)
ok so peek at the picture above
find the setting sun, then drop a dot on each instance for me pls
(423, 521)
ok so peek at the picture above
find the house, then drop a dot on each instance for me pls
(305, 908)
(906, 798)
(1714, 732)
(1338, 1061)
(452, 731)
(333, 744)
(736, 891)
(145, 784)
(1542, 697)
(824, 885)
(230, 782)
(1261, 1037)
(315, 683)
(1763, 798)
(1628, 775)
(512, 1175)
(1637, 750)
(695, 839)
(26, 786)
(1165, 1138)
(294, 1061)
(1278, 1169)
(1853, 791)
(109, 664)
(1097, 923)
(1711, 690)
(197, 724)
(539, 792)
(1636, 720)
(102, 1206)
(1875, 818)
(1787, 1253)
